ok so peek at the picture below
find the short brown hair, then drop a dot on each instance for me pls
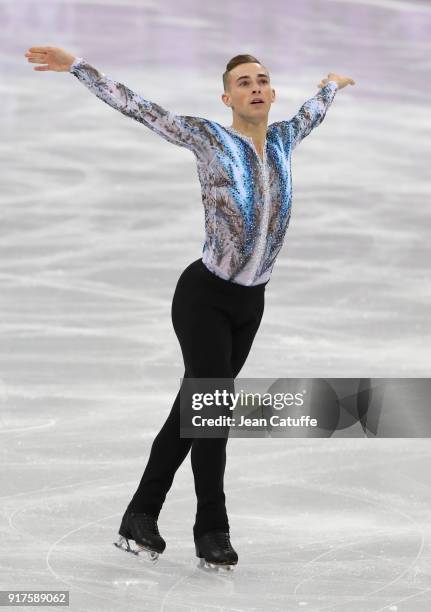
(235, 61)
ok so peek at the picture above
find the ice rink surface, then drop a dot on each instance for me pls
(99, 216)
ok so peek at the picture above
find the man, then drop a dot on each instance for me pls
(244, 171)
(241, 82)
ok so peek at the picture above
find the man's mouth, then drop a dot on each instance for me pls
(257, 102)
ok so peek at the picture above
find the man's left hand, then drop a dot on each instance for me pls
(341, 81)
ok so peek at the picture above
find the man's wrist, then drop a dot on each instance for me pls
(76, 61)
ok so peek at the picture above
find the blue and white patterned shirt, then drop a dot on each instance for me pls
(247, 199)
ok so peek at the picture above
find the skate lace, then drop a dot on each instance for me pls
(223, 540)
(148, 522)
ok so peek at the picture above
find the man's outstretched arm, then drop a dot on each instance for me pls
(313, 111)
(184, 131)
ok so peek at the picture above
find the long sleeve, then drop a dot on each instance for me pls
(311, 113)
(184, 131)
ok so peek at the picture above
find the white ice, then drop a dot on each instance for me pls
(99, 217)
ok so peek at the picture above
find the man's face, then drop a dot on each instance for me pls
(247, 82)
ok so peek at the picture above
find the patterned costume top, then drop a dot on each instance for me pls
(247, 200)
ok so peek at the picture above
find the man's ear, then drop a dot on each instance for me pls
(225, 99)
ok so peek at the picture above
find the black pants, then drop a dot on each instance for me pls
(215, 321)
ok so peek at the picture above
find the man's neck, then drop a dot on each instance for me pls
(256, 132)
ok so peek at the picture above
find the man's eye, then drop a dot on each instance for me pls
(246, 82)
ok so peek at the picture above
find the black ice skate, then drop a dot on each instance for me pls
(142, 528)
(215, 551)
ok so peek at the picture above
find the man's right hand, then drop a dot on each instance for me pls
(53, 58)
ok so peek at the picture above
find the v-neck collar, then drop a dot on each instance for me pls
(251, 141)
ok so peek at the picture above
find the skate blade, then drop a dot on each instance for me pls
(135, 549)
(208, 566)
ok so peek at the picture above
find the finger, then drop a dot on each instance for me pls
(39, 49)
(37, 57)
(41, 68)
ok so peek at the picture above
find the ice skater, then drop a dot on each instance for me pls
(218, 303)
